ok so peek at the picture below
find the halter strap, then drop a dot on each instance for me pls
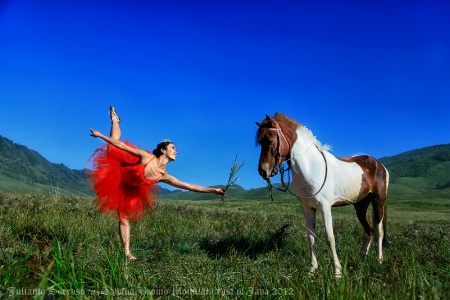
(280, 148)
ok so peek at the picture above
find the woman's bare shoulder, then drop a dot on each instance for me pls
(146, 157)
(166, 177)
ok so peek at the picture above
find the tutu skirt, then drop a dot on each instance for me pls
(115, 193)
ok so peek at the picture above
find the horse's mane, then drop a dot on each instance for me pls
(282, 118)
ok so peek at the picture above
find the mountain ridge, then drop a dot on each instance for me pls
(24, 170)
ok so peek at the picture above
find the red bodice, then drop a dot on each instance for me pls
(119, 182)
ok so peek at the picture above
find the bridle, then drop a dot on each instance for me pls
(280, 159)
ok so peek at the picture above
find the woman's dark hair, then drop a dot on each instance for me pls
(163, 145)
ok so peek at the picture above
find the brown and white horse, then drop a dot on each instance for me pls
(321, 181)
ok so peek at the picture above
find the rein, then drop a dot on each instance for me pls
(281, 169)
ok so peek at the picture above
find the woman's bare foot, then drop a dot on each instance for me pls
(129, 255)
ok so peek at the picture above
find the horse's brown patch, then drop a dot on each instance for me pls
(373, 180)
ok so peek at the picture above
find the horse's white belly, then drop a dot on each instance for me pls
(347, 183)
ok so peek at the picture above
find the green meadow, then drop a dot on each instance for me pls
(61, 247)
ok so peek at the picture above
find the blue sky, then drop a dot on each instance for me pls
(367, 77)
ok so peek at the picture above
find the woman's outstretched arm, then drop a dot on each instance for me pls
(118, 144)
(169, 179)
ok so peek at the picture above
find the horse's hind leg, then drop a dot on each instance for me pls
(385, 239)
(379, 208)
(363, 217)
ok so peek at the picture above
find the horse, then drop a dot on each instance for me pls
(321, 181)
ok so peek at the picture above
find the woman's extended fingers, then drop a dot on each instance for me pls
(94, 133)
(220, 192)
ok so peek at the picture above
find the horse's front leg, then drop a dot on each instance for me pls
(310, 219)
(328, 222)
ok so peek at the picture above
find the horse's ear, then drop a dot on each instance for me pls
(259, 124)
(269, 121)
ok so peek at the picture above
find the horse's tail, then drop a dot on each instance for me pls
(387, 180)
(385, 239)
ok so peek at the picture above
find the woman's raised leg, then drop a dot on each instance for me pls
(115, 128)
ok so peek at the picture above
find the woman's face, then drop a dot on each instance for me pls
(171, 152)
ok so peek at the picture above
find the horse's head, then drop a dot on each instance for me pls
(275, 144)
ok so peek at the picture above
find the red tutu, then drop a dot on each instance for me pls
(119, 182)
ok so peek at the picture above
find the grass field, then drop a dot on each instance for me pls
(62, 247)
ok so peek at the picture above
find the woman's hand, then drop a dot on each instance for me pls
(218, 191)
(95, 133)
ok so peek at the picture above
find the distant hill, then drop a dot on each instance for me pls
(236, 192)
(25, 170)
(419, 170)
(411, 172)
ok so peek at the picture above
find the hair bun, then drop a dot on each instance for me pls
(162, 145)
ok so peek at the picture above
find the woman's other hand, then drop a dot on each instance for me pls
(95, 133)
(218, 191)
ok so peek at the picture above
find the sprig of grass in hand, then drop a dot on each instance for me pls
(235, 167)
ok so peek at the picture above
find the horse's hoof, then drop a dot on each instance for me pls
(312, 272)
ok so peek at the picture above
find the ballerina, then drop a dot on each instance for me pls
(125, 178)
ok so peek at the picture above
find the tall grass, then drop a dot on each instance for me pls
(239, 249)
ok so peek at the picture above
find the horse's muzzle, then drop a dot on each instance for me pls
(263, 173)
(267, 172)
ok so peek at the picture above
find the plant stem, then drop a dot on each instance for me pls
(235, 167)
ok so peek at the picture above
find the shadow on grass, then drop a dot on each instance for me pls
(244, 244)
